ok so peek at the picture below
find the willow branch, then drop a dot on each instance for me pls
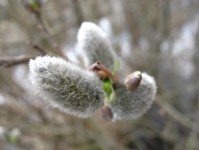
(177, 116)
(38, 48)
(16, 60)
(56, 49)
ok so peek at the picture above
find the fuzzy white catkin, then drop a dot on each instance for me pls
(95, 45)
(133, 104)
(66, 86)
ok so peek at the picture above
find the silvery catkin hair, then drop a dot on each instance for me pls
(132, 104)
(95, 45)
(66, 86)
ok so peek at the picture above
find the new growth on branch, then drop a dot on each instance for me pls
(82, 91)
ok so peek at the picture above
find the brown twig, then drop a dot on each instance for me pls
(16, 60)
(38, 48)
(78, 10)
(177, 116)
(37, 12)
(56, 49)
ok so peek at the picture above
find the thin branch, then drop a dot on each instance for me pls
(78, 10)
(177, 116)
(16, 60)
(37, 12)
(47, 30)
(38, 48)
(44, 25)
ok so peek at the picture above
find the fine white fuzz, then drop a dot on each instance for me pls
(95, 45)
(133, 104)
(66, 86)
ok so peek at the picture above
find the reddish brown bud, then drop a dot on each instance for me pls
(102, 71)
(133, 80)
(102, 75)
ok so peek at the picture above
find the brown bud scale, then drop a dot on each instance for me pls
(133, 80)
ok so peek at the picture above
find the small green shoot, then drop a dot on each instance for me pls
(116, 67)
(110, 94)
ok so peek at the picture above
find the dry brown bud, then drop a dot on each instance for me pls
(133, 80)
(102, 75)
(102, 71)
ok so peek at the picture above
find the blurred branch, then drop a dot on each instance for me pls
(38, 48)
(104, 139)
(78, 11)
(47, 30)
(35, 8)
(44, 25)
(16, 60)
(177, 116)
(192, 141)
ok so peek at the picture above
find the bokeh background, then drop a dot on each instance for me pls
(160, 37)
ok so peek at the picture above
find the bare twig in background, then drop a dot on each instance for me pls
(38, 48)
(44, 25)
(56, 48)
(35, 9)
(47, 30)
(177, 116)
(78, 11)
(192, 140)
(16, 60)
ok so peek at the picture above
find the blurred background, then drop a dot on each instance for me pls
(160, 37)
